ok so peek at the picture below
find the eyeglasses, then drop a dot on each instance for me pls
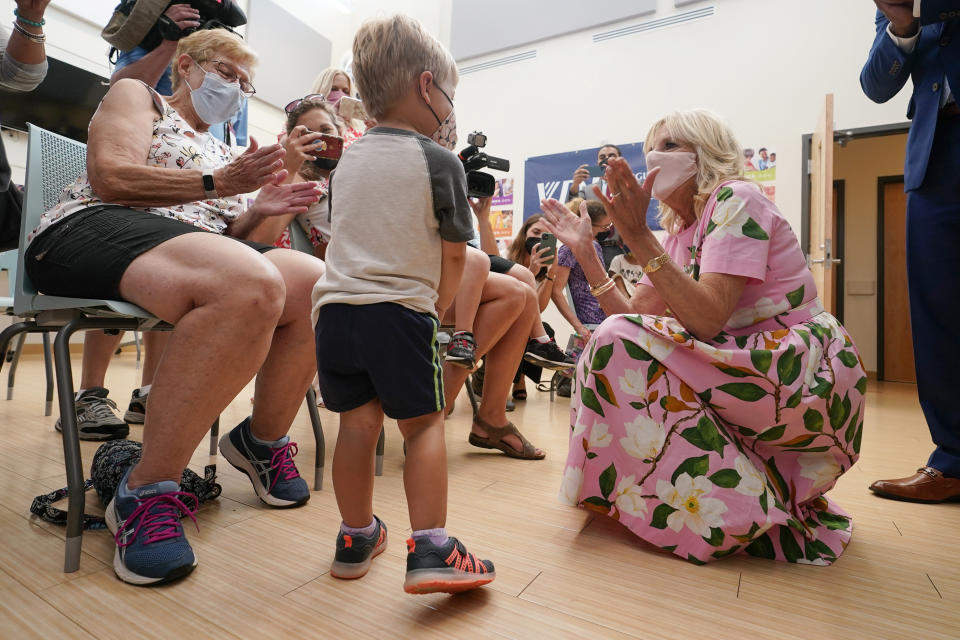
(296, 103)
(603, 227)
(228, 73)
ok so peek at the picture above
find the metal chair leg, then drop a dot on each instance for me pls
(11, 376)
(380, 443)
(71, 446)
(470, 394)
(136, 341)
(320, 450)
(48, 372)
(10, 333)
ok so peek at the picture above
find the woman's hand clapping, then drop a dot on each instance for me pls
(276, 199)
(629, 200)
(256, 167)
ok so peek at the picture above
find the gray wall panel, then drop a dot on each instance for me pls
(484, 26)
(291, 53)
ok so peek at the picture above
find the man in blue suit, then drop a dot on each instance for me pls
(921, 39)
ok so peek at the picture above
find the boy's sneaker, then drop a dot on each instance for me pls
(137, 410)
(355, 553)
(547, 355)
(448, 568)
(271, 469)
(96, 419)
(461, 350)
(145, 522)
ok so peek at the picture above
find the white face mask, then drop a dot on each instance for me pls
(446, 133)
(676, 167)
(216, 100)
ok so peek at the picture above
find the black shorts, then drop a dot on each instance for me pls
(86, 254)
(384, 351)
(500, 265)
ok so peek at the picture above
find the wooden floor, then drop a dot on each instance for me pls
(562, 572)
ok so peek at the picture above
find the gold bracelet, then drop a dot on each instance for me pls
(602, 288)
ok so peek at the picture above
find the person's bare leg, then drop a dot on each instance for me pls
(154, 343)
(507, 310)
(475, 271)
(98, 349)
(225, 301)
(425, 471)
(525, 276)
(354, 463)
(291, 363)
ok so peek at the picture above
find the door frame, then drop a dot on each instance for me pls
(840, 189)
(839, 135)
(882, 182)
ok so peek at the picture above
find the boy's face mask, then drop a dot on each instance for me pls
(446, 133)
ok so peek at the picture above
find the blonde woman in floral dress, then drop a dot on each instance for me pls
(716, 406)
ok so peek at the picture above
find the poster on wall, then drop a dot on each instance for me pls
(503, 194)
(550, 176)
(761, 166)
(501, 220)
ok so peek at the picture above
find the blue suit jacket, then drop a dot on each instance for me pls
(936, 56)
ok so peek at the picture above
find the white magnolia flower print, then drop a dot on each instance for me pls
(629, 500)
(600, 436)
(752, 482)
(822, 468)
(813, 363)
(764, 309)
(720, 355)
(657, 346)
(579, 428)
(730, 216)
(570, 489)
(693, 511)
(634, 382)
(644, 438)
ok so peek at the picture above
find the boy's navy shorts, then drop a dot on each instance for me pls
(383, 351)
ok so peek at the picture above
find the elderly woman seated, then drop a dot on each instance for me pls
(711, 417)
(159, 220)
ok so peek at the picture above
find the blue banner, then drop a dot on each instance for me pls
(551, 176)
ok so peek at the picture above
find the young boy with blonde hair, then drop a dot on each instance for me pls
(399, 224)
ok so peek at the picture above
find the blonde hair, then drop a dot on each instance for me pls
(324, 81)
(389, 54)
(210, 44)
(719, 156)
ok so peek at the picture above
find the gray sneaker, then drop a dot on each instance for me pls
(137, 410)
(96, 417)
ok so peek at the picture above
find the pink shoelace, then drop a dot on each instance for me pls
(158, 517)
(282, 463)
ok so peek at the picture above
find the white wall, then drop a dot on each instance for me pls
(763, 64)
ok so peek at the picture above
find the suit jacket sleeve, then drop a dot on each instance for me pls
(933, 11)
(888, 67)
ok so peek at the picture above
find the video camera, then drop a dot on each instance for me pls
(144, 22)
(479, 184)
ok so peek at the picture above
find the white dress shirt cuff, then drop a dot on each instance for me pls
(907, 45)
(916, 8)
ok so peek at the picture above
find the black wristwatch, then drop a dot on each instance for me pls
(209, 189)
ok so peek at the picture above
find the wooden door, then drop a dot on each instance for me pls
(822, 223)
(896, 354)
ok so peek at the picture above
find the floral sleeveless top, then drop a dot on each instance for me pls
(175, 145)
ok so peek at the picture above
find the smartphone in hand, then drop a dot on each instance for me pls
(351, 109)
(548, 240)
(328, 146)
(596, 171)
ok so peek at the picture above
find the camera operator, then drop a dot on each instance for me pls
(578, 189)
(153, 65)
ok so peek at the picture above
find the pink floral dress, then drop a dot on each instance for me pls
(708, 449)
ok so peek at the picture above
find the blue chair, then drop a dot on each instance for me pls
(8, 263)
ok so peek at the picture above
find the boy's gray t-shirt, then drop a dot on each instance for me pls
(394, 195)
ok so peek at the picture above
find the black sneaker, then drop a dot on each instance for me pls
(96, 417)
(271, 470)
(449, 568)
(355, 553)
(137, 410)
(461, 350)
(547, 355)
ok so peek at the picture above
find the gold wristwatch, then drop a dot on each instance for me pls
(656, 263)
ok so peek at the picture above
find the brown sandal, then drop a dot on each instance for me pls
(494, 440)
